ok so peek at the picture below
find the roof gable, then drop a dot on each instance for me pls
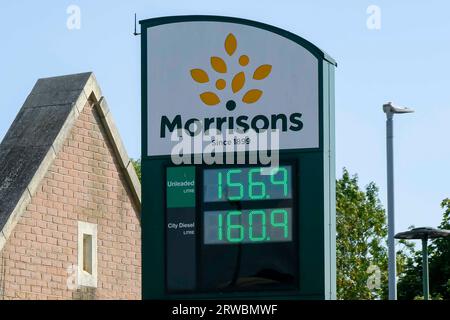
(38, 133)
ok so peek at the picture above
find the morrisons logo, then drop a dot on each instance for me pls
(219, 65)
(241, 124)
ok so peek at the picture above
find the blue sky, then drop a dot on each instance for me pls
(405, 62)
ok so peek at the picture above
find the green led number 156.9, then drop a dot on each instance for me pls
(251, 184)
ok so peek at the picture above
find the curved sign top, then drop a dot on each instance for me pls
(225, 73)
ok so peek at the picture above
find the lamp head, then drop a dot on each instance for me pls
(391, 108)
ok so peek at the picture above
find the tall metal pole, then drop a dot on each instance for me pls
(392, 273)
(425, 278)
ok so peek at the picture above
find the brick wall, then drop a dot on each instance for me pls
(84, 183)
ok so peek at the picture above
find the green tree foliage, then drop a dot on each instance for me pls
(440, 260)
(410, 282)
(409, 285)
(361, 234)
(137, 168)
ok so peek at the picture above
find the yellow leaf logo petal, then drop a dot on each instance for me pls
(262, 72)
(252, 96)
(238, 82)
(221, 84)
(230, 44)
(244, 60)
(199, 75)
(210, 98)
(218, 65)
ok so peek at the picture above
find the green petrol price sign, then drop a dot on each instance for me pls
(216, 221)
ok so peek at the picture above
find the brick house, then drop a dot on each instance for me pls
(69, 199)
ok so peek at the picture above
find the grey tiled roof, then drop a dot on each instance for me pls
(37, 134)
(32, 134)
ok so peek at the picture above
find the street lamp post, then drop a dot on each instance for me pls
(390, 110)
(424, 234)
(425, 273)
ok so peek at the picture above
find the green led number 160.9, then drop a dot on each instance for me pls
(238, 184)
(259, 225)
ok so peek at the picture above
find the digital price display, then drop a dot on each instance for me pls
(248, 226)
(247, 184)
(264, 222)
(240, 236)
